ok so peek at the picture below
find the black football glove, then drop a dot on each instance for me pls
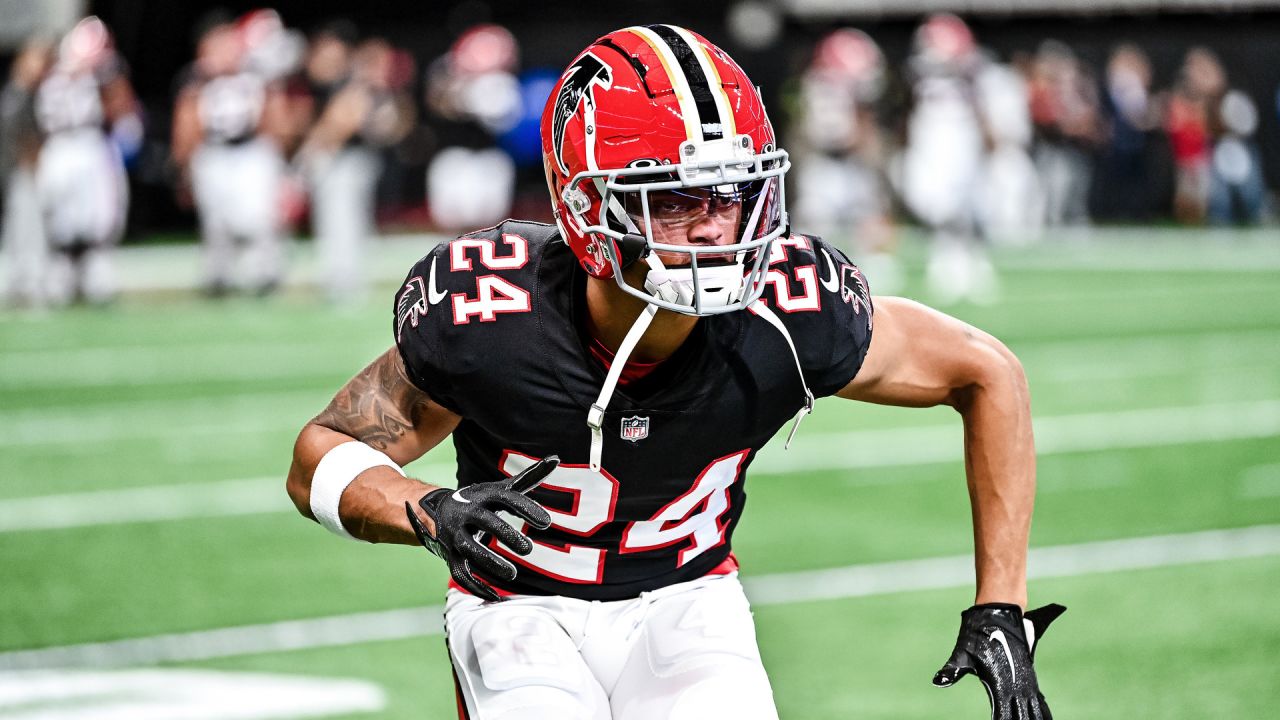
(463, 516)
(998, 644)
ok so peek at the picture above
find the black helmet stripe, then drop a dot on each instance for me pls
(704, 101)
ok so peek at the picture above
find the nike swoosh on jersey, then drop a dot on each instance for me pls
(998, 636)
(832, 281)
(434, 296)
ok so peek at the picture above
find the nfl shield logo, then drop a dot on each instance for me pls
(635, 428)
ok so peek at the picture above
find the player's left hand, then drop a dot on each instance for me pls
(997, 643)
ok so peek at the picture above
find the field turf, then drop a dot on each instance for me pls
(1155, 374)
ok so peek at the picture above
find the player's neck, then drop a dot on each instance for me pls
(611, 313)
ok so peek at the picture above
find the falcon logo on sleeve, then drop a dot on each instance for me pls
(851, 283)
(854, 289)
(411, 305)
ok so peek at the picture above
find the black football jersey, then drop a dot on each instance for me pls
(488, 326)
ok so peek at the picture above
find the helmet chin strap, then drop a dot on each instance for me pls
(595, 416)
(764, 311)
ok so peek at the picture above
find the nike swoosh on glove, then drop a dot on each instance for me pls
(463, 516)
(997, 643)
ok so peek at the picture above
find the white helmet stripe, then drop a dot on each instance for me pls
(679, 83)
(714, 83)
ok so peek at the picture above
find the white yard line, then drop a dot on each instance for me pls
(198, 417)
(144, 366)
(1060, 561)
(1086, 432)
(855, 450)
(1092, 359)
(224, 498)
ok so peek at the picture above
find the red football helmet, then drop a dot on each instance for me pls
(659, 109)
(945, 41)
(86, 46)
(850, 57)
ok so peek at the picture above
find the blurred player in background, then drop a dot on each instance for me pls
(85, 107)
(654, 338)
(473, 96)
(361, 107)
(1011, 199)
(1065, 110)
(840, 151)
(22, 237)
(942, 162)
(230, 125)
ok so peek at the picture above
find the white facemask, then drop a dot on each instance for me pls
(717, 286)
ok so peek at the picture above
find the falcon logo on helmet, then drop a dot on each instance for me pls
(578, 79)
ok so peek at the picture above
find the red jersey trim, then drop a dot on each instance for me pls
(631, 372)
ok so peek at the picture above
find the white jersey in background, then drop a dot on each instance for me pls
(236, 175)
(81, 182)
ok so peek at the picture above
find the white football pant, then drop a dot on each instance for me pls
(342, 213)
(237, 194)
(684, 652)
(84, 195)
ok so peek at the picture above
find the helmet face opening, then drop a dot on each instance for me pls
(661, 204)
(658, 149)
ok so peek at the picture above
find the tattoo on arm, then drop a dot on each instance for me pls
(378, 406)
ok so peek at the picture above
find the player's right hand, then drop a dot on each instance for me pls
(998, 643)
(463, 515)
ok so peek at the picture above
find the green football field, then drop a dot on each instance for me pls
(144, 524)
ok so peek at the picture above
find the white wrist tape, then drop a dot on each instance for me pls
(334, 473)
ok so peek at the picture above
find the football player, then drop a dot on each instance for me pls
(943, 158)
(87, 111)
(607, 381)
(360, 111)
(230, 125)
(22, 239)
(842, 150)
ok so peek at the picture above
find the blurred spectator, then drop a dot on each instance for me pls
(839, 150)
(1130, 183)
(1064, 108)
(230, 124)
(362, 107)
(943, 158)
(1200, 87)
(22, 235)
(80, 176)
(1236, 190)
(474, 97)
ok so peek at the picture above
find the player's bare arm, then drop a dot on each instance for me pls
(186, 130)
(920, 357)
(380, 417)
(383, 409)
